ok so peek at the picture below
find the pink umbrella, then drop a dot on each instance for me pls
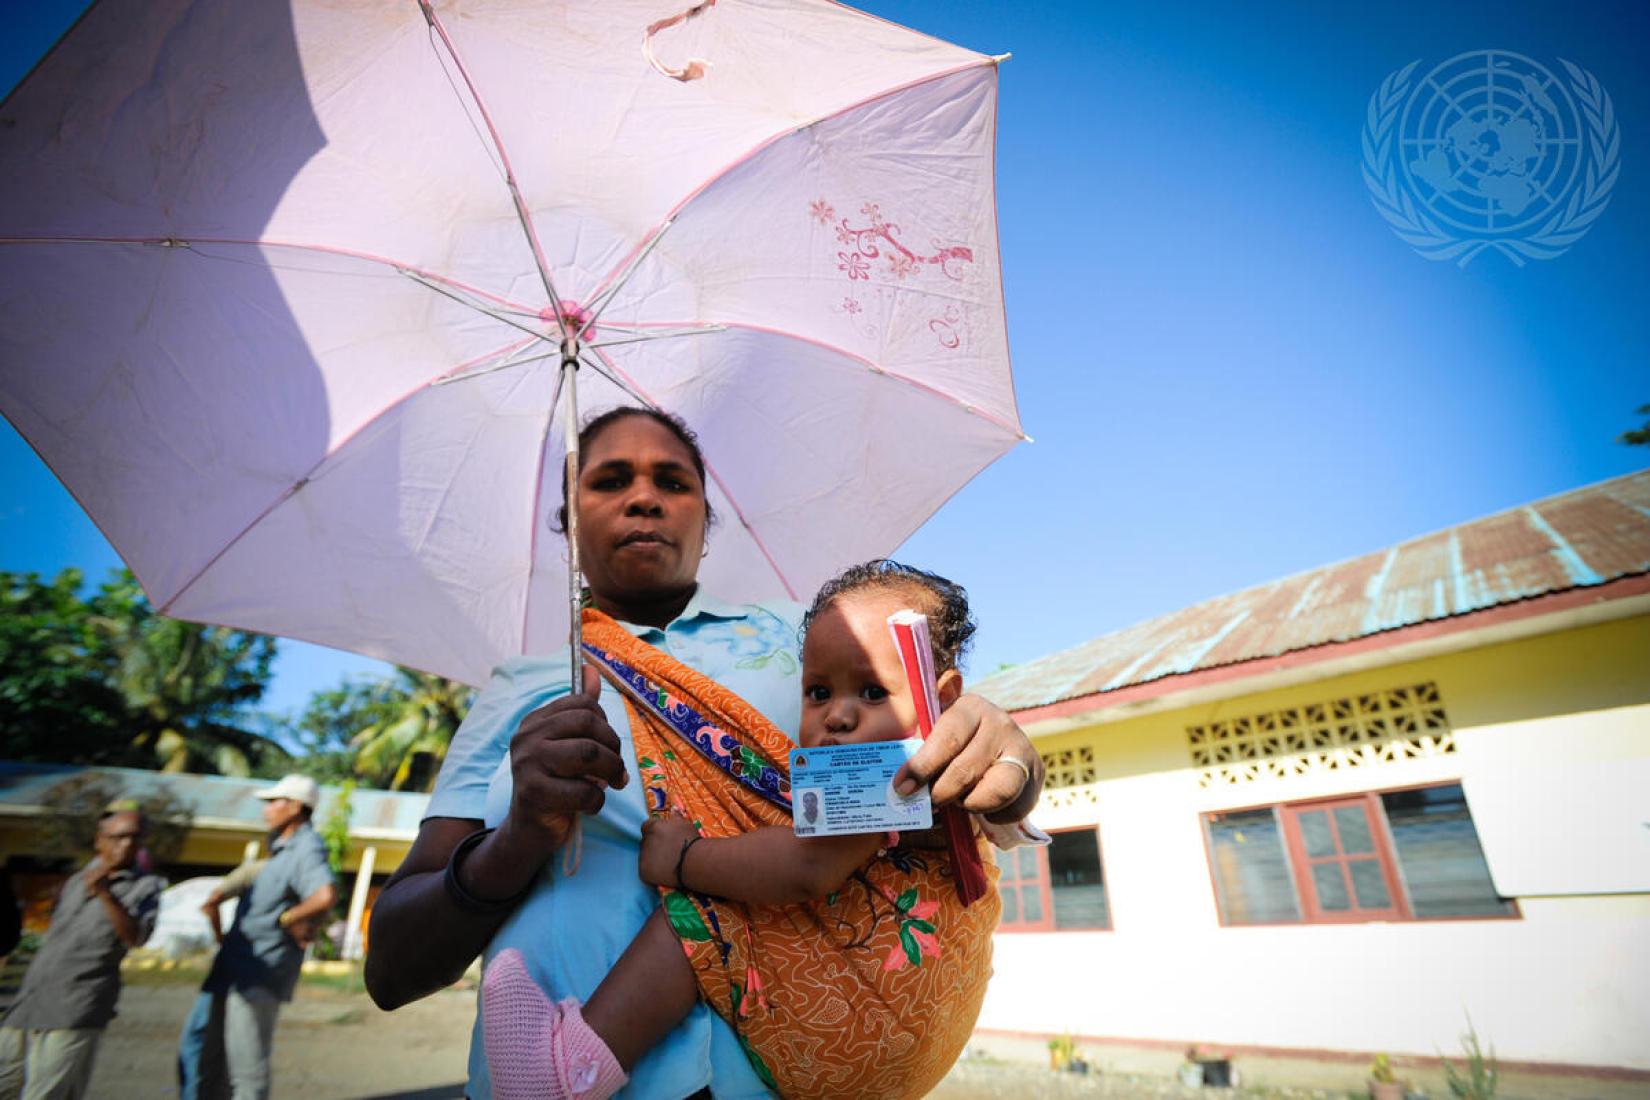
(288, 295)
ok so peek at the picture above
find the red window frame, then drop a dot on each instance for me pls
(1300, 863)
(1044, 881)
(1339, 860)
(1019, 883)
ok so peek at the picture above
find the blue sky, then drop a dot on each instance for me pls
(1233, 369)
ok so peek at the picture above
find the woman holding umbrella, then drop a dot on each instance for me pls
(530, 753)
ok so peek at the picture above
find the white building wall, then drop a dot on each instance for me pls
(1568, 981)
(1569, 984)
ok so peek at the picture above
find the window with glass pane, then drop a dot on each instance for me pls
(1398, 855)
(1021, 884)
(1031, 887)
(1253, 884)
(1344, 874)
(1439, 854)
(1077, 882)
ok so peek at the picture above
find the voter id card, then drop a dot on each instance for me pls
(841, 789)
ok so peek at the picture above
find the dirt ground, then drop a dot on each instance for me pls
(333, 1044)
(329, 1045)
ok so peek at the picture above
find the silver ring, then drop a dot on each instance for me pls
(1025, 769)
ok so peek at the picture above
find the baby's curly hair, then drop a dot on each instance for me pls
(950, 625)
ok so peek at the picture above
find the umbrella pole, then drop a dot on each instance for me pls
(570, 475)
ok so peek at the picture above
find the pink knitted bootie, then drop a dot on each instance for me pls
(538, 1050)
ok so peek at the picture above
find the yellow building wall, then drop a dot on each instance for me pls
(1568, 981)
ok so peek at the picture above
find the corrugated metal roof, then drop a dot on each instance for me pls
(1586, 537)
(391, 814)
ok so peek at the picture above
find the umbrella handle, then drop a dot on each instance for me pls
(570, 478)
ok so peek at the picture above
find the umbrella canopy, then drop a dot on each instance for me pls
(282, 288)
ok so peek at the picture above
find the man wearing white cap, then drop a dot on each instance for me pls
(257, 966)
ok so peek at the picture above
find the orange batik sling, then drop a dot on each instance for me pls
(870, 992)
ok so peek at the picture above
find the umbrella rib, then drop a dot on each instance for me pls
(492, 157)
(636, 337)
(632, 386)
(449, 379)
(501, 317)
(997, 240)
(505, 313)
(601, 300)
(868, 364)
(773, 139)
(622, 382)
(522, 215)
(285, 494)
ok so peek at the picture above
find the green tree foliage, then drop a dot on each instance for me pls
(58, 697)
(1638, 437)
(390, 733)
(102, 679)
(335, 832)
(325, 728)
(335, 829)
(186, 685)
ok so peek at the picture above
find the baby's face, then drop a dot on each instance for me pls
(853, 685)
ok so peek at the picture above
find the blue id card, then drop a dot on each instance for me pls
(841, 789)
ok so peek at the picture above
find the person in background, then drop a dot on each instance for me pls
(49, 1039)
(256, 969)
(200, 1030)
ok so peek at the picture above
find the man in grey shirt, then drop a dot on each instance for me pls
(49, 1038)
(257, 967)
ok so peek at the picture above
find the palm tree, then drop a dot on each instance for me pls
(185, 685)
(188, 681)
(412, 721)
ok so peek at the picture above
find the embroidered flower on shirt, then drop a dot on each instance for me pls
(762, 639)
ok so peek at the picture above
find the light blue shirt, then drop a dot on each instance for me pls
(257, 950)
(572, 929)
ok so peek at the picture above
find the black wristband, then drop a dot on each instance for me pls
(462, 897)
(686, 844)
